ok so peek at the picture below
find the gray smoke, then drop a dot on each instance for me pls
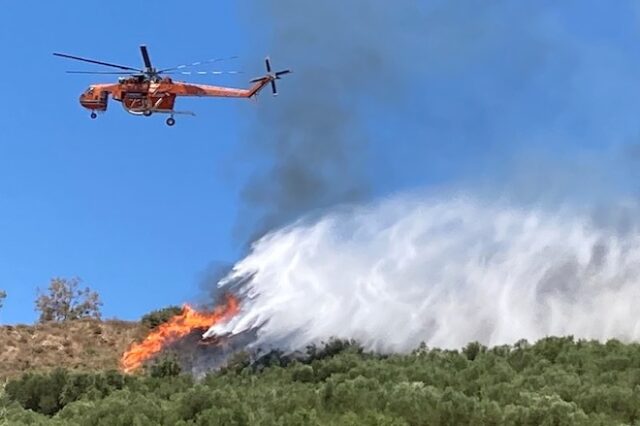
(387, 96)
(346, 56)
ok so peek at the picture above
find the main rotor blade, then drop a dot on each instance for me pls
(195, 64)
(145, 56)
(103, 72)
(92, 61)
(204, 73)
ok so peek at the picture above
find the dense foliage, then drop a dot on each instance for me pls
(557, 381)
(160, 316)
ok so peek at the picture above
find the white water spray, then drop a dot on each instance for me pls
(440, 271)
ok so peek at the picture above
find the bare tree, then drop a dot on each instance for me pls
(65, 301)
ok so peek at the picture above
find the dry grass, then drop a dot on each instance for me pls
(80, 345)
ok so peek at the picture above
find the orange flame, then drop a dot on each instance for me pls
(177, 327)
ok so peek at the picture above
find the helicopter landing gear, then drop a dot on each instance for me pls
(147, 113)
(171, 121)
(93, 115)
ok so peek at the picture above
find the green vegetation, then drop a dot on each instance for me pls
(557, 381)
(155, 318)
(3, 295)
(65, 301)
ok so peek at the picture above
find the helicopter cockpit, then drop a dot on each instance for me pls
(94, 100)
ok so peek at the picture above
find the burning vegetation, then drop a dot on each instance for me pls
(179, 326)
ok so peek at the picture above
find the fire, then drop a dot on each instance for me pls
(177, 327)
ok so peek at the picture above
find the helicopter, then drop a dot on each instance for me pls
(147, 91)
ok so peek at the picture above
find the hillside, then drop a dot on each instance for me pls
(78, 345)
(556, 381)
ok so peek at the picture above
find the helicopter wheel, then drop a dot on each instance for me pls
(147, 113)
(93, 115)
(171, 121)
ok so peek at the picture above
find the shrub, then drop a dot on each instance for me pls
(160, 316)
(39, 392)
(331, 348)
(165, 366)
(3, 295)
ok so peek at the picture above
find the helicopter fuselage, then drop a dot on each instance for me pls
(145, 96)
(138, 96)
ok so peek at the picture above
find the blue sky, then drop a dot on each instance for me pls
(527, 97)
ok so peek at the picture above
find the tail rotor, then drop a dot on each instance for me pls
(272, 76)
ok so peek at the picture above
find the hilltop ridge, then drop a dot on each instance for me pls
(85, 345)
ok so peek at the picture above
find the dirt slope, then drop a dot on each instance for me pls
(82, 345)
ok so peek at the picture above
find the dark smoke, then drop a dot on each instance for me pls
(490, 93)
(346, 56)
(198, 356)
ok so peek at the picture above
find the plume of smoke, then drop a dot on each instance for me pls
(199, 356)
(440, 91)
(344, 56)
(444, 271)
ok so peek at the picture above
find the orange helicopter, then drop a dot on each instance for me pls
(149, 90)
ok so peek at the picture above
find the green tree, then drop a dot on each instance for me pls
(39, 392)
(166, 366)
(3, 295)
(125, 408)
(65, 301)
(473, 349)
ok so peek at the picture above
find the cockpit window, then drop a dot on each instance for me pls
(90, 90)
